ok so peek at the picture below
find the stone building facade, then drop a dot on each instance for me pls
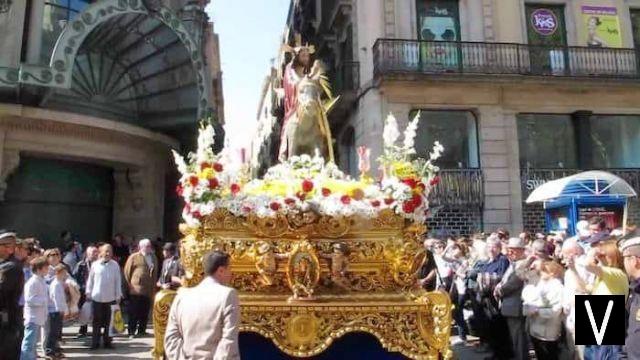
(519, 92)
(93, 96)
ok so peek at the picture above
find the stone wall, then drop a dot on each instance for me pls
(455, 220)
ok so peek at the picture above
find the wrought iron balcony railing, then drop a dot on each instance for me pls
(396, 56)
(532, 178)
(458, 187)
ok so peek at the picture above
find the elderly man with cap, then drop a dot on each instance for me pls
(172, 271)
(631, 254)
(509, 291)
(11, 283)
(140, 273)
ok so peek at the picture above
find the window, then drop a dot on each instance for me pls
(547, 141)
(615, 141)
(438, 20)
(57, 13)
(635, 25)
(455, 130)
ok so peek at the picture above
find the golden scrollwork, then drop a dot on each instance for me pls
(305, 280)
(161, 307)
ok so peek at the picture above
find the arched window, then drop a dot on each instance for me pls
(56, 15)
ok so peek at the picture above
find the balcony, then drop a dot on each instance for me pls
(532, 178)
(408, 57)
(463, 187)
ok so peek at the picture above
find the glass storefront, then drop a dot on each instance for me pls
(550, 141)
(615, 141)
(57, 13)
(455, 130)
(547, 141)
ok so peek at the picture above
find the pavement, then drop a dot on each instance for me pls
(140, 348)
(124, 348)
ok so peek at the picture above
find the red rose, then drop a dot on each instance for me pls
(326, 192)
(417, 200)
(213, 183)
(274, 206)
(375, 203)
(235, 188)
(388, 201)
(434, 181)
(408, 207)
(409, 182)
(307, 185)
(345, 199)
(217, 167)
(289, 201)
(246, 209)
(420, 186)
(179, 190)
(301, 195)
(196, 214)
(204, 166)
(193, 180)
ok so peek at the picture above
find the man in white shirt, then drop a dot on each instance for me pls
(199, 329)
(104, 288)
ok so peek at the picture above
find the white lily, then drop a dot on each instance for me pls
(410, 134)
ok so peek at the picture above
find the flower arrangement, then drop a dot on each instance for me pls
(308, 183)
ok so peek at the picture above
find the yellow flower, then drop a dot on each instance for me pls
(206, 173)
(403, 169)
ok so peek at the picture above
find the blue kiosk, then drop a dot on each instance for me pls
(582, 196)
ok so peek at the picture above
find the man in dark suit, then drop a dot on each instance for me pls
(509, 291)
(428, 274)
(11, 285)
(172, 271)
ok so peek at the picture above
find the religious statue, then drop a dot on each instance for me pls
(266, 263)
(305, 128)
(303, 271)
(339, 259)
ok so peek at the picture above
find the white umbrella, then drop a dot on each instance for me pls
(588, 183)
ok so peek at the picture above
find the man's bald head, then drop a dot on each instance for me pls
(631, 257)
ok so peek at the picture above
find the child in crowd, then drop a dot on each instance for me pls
(36, 297)
(542, 304)
(57, 310)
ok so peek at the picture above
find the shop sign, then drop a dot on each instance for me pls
(544, 22)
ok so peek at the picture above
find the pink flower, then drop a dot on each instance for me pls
(274, 206)
(345, 199)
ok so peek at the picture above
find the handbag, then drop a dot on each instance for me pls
(117, 323)
(85, 316)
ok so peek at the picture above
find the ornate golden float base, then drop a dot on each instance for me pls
(413, 328)
(304, 281)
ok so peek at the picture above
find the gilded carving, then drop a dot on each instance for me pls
(305, 280)
(161, 307)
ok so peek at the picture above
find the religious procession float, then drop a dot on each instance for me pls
(316, 254)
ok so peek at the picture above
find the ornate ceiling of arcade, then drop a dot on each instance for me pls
(128, 60)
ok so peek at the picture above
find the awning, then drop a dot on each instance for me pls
(585, 184)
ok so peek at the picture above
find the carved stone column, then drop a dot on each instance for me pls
(9, 162)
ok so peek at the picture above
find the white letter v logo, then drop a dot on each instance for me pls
(599, 334)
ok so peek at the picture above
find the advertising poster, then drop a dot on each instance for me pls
(612, 214)
(601, 26)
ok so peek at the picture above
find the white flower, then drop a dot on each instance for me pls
(180, 163)
(205, 142)
(438, 149)
(390, 133)
(410, 134)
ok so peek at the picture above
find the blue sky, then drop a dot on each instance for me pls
(250, 33)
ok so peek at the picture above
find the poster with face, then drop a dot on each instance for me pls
(601, 26)
(438, 22)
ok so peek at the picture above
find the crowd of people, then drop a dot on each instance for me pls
(41, 290)
(518, 293)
